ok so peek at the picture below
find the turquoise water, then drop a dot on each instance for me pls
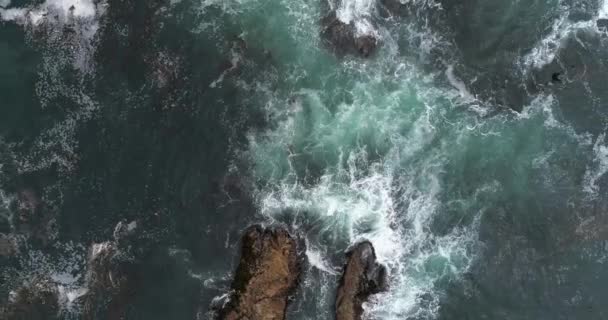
(479, 179)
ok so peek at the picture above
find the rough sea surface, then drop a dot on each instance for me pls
(470, 149)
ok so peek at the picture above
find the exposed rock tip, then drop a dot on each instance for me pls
(362, 277)
(111, 275)
(345, 38)
(267, 274)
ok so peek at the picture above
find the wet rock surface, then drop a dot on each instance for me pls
(362, 277)
(267, 274)
(33, 219)
(37, 300)
(602, 24)
(111, 275)
(109, 281)
(345, 38)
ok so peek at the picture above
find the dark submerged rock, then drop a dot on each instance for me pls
(7, 246)
(111, 275)
(602, 24)
(362, 277)
(345, 39)
(266, 277)
(556, 77)
(109, 283)
(37, 300)
(33, 219)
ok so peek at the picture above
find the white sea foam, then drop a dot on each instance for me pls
(385, 200)
(316, 259)
(79, 8)
(459, 84)
(58, 10)
(598, 168)
(603, 12)
(61, 50)
(63, 269)
(359, 13)
(545, 51)
(547, 48)
(352, 10)
(5, 202)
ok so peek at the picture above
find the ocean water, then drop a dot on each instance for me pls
(470, 149)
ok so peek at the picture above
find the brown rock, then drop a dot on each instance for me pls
(266, 276)
(38, 300)
(362, 277)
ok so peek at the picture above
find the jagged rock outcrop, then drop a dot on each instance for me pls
(346, 38)
(110, 276)
(108, 283)
(267, 274)
(362, 277)
(602, 24)
(37, 300)
(33, 219)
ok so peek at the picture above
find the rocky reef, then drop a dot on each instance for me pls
(362, 277)
(269, 269)
(265, 280)
(110, 277)
(36, 300)
(602, 24)
(266, 276)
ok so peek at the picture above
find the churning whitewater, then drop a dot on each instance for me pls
(465, 140)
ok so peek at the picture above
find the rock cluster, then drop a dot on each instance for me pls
(264, 282)
(362, 277)
(267, 275)
(110, 276)
(36, 300)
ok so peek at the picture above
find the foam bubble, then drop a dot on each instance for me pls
(603, 11)
(352, 10)
(359, 13)
(545, 51)
(59, 10)
(316, 259)
(79, 8)
(13, 14)
(547, 48)
(599, 167)
(459, 84)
